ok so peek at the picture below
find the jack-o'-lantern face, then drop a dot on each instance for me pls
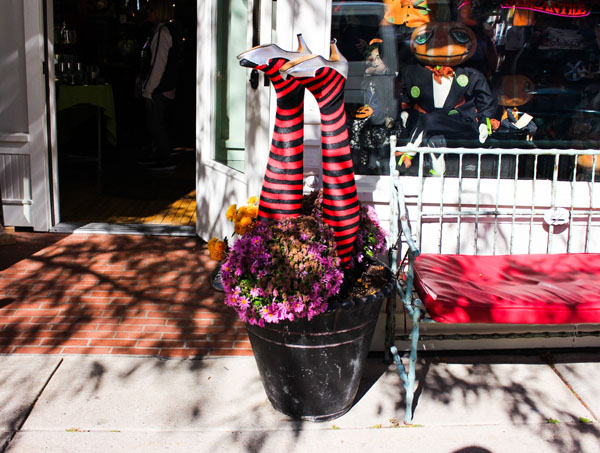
(515, 90)
(443, 43)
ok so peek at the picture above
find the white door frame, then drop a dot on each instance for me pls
(23, 147)
(51, 102)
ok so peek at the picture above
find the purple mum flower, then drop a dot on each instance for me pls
(288, 269)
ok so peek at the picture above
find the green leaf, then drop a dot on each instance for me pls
(584, 420)
(552, 420)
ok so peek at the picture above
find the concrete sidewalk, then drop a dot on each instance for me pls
(491, 403)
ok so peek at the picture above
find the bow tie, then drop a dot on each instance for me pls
(441, 71)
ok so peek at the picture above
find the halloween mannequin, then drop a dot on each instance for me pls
(375, 121)
(441, 100)
(281, 194)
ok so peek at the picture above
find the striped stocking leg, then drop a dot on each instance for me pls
(340, 199)
(281, 194)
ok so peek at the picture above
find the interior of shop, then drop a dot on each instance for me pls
(103, 141)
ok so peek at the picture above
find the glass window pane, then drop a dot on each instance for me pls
(231, 84)
(469, 74)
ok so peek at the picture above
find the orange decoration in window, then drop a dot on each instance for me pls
(524, 18)
(587, 161)
(515, 90)
(411, 13)
(364, 112)
(443, 43)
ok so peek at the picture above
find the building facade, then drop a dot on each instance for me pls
(537, 71)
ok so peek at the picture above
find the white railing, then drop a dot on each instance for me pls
(503, 201)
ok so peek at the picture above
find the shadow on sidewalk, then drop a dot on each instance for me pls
(114, 294)
(27, 244)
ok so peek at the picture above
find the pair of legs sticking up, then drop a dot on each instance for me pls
(281, 196)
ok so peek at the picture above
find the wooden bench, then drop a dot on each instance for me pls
(495, 250)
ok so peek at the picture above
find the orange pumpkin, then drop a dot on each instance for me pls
(587, 161)
(515, 90)
(443, 43)
(364, 112)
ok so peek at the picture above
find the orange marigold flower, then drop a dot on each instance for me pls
(241, 213)
(211, 243)
(237, 228)
(220, 246)
(253, 211)
(253, 200)
(217, 255)
(245, 221)
(231, 211)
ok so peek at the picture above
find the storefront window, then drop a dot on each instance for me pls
(469, 74)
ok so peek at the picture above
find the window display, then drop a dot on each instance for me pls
(469, 74)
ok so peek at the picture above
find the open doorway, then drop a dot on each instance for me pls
(103, 142)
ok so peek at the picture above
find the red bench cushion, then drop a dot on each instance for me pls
(513, 289)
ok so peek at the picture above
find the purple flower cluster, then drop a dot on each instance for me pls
(289, 269)
(370, 239)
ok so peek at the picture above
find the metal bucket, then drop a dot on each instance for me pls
(311, 370)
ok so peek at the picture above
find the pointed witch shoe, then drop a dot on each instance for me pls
(261, 55)
(307, 65)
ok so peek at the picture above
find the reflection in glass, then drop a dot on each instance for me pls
(540, 71)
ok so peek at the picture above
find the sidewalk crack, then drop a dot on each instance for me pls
(548, 359)
(30, 408)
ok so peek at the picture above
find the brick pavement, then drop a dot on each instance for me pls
(109, 294)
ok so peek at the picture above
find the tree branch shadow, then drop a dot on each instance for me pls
(481, 377)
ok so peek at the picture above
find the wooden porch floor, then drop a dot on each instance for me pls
(78, 207)
(129, 194)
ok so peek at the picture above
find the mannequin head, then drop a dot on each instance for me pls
(443, 43)
(373, 58)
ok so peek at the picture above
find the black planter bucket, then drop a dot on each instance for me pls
(312, 370)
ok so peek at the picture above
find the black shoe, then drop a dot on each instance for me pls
(166, 165)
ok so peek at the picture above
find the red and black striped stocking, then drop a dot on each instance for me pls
(281, 194)
(340, 199)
